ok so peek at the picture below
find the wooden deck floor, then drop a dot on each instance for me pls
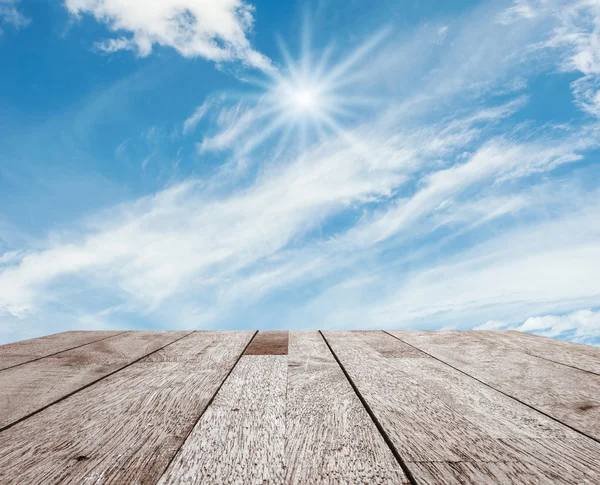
(447, 407)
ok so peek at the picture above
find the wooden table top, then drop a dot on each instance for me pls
(270, 407)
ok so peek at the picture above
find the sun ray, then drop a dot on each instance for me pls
(306, 45)
(283, 140)
(321, 66)
(310, 97)
(351, 140)
(355, 57)
(265, 133)
(262, 83)
(287, 57)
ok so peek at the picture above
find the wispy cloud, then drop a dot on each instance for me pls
(574, 32)
(437, 208)
(10, 15)
(523, 272)
(217, 31)
(109, 46)
(185, 241)
(239, 129)
(190, 123)
(521, 9)
(442, 32)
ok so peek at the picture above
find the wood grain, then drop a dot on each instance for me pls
(241, 435)
(27, 350)
(568, 395)
(126, 428)
(32, 386)
(204, 349)
(584, 357)
(330, 437)
(440, 420)
(281, 419)
(125, 411)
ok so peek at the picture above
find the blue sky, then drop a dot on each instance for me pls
(302, 164)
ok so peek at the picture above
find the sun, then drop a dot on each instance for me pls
(312, 96)
(304, 99)
(298, 99)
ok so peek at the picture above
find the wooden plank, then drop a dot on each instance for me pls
(568, 395)
(205, 350)
(32, 386)
(330, 436)
(241, 435)
(27, 350)
(440, 420)
(269, 343)
(584, 357)
(126, 427)
(475, 473)
(281, 419)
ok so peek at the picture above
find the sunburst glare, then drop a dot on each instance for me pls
(309, 100)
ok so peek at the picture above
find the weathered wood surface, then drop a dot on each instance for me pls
(32, 386)
(206, 348)
(584, 357)
(127, 427)
(213, 408)
(27, 350)
(279, 419)
(451, 429)
(569, 395)
(240, 437)
(330, 438)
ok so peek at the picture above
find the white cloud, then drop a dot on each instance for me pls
(10, 15)
(521, 9)
(548, 266)
(493, 325)
(217, 31)
(190, 123)
(581, 326)
(209, 238)
(579, 34)
(575, 34)
(586, 91)
(113, 45)
(219, 250)
(496, 161)
(238, 122)
(349, 236)
(442, 32)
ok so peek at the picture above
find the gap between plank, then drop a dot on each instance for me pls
(90, 384)
(532, 353)
(65, 350)
(550, 360)
(562, 363)
(497, 390)
(206, 407)
(371, 414)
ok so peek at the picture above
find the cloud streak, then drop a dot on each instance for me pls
(575, 34)
(10, 15)
(217, 31)
(189, 125)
